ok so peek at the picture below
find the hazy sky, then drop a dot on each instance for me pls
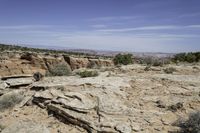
(128, 25)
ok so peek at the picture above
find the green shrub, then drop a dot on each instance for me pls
(187, 57)
(192, 125)
(123, 59)
(10, 100)
(169, 70)
(87, 73)
(197, 54)
(59, 70)
(2, 127)
(179, 57)
(190, 58)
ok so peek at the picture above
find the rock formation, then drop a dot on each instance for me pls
(30, 63)
(124, 99)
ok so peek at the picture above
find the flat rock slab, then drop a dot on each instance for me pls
(15, 82)
(84, 110)
(16, 76)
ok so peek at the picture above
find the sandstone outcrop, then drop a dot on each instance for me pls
(30, 63)
(77, 63)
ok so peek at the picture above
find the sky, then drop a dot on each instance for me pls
(117, 25)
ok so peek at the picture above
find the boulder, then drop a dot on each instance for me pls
(3, 87)
(37, 76)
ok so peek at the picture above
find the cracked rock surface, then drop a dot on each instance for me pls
(119, 100)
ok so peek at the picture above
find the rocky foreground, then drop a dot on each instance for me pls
(124, 99)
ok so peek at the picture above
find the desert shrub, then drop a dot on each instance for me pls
(157, 62)
(59, 70)
(10, 100)
(192, 125)
(2, 127)
(26, 56)
(179, 57)
(153, 61)
(169, 70)
(187, 57)
(191, 57)
(87, 73)
(197, 54)
(123, 59)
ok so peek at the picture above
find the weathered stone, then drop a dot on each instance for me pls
(26, 127)
(3, 85)
(176, 107)
(76, 63)
(136, 127)
(160, 104)
(16, 82)
(168, 118)
(77, 118)
(123, 128)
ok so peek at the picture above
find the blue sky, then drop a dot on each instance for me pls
(126, 25)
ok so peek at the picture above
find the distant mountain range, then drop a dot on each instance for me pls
(113, 53)
(100, 52)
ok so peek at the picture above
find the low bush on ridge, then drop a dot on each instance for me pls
(88, 73)
(187, 57)
(123, 59)
(152, 61)
(59, 70)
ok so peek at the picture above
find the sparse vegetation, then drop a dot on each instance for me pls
(151, 61)
(9, 100)
(88, 73)
(59, 70)
(2, 127)
(192, 125)
(169, 70)
(187, 57)
(123, 59)
(5, 47)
